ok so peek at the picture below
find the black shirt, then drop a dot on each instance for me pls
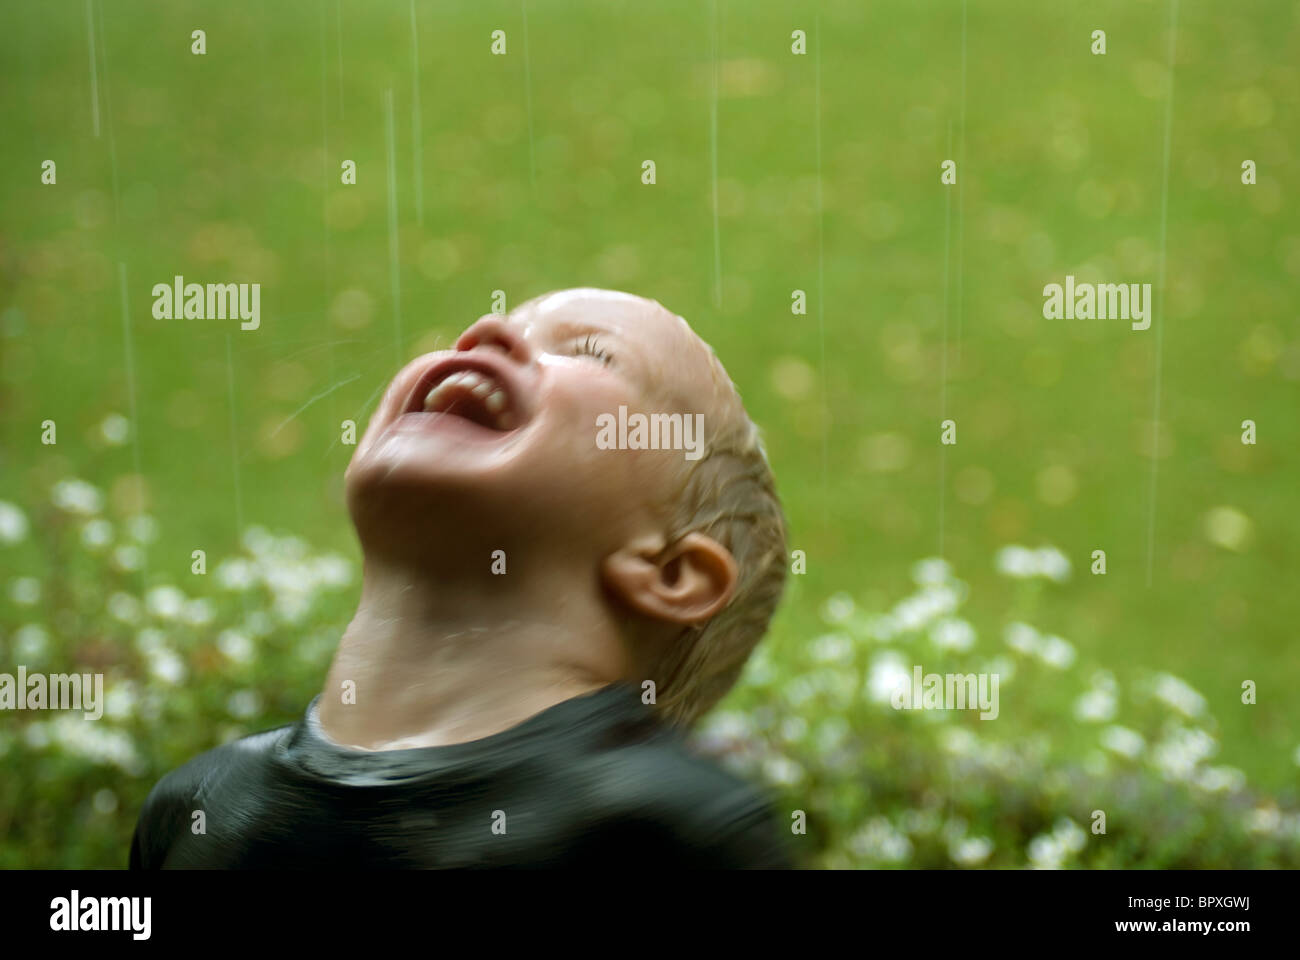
(596, 781)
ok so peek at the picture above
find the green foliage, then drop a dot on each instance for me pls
(923, 302)
(887, 787)
(242, 648)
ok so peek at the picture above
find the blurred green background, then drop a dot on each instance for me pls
(522, 173)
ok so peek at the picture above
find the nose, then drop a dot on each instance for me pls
(492, 332)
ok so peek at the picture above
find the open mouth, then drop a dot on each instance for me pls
(475, 395)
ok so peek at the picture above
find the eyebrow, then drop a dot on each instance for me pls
(571, 328)
(631, 359)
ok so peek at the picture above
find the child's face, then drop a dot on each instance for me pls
(499, 434)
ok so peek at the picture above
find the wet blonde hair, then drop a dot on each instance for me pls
(730, 495)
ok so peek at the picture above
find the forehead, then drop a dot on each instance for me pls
(584, 310)
(665, 344)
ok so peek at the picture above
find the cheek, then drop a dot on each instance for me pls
(578, 398)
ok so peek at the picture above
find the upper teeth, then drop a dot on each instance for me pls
(479, 385)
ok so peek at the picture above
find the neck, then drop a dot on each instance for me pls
(436, 656)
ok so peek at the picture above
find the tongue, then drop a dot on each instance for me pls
(458, 402)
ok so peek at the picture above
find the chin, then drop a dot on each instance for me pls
(386, 485)
(449, 489)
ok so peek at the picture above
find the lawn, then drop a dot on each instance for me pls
(775, 172)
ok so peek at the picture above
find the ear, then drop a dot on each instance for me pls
(686, 582)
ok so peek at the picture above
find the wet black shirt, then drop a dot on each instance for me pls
(596, 781)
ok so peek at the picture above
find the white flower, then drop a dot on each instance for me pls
(257, 541)
(960, 741)
(888, 673)
(832, 648)
(793, 729)
(1095, 706)
(911, 614)
(1056, 653)
(970, 851)
(199, 612)
(1021, 563)
(235, 645)
(294, 548)
(123, 607)
(880, 841)
(96, 742)
(1070, 835)
(1263, 820)
(128, 558)
(728, 725)
(1122, 740)
(150, 640)
(1017, 562)
(243, 704)
(1293, 826)
(165, 603)
(838, 608)
(120, 701)
(115, 429)
(142, 528)
(931, 571)
(946, 597)
(1229, 528)
(333, 570)
(167, 666)
(235, 574)
(292, 607)
(30, 642)
(1104, 680)
(37, 735)
(77, 496)
(1046, 852)
(758, 672)
(1049, 851)
(13, 523)
(96, 534)
(782, 771)
(1004, 667)
(914, 612)
(1052, 564)
(1179, 695)
(1023, 638)
(1177, 756)
(953, 633)
(286, 578)
(1221, 779)
(25, 591)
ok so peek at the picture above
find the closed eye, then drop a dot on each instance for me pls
(590, 346)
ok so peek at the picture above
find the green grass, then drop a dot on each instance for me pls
(225, 167)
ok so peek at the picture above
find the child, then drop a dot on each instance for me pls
(541, 618)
